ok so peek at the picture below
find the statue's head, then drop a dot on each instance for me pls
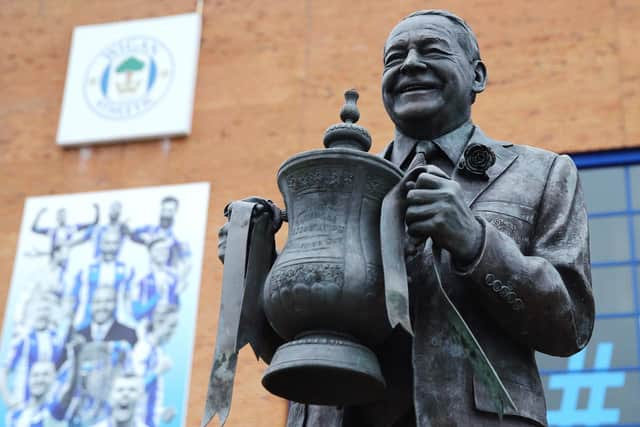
(432, 73)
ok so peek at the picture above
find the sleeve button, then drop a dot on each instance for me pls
(504, 291)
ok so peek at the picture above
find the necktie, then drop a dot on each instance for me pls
(425, 151)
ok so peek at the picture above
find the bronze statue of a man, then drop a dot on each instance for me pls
(513, 226)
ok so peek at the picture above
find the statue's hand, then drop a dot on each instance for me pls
(264, 206)
(436, 209)
(222, 241)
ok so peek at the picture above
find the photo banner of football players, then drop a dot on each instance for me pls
(100, 320)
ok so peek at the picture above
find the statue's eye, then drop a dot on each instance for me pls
(432, 51)
(394, 57)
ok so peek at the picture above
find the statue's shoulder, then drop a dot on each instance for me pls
(535, 152)
(530, 156)
(545, 161)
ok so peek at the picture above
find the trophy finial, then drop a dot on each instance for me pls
(350, 112)
(348, 134)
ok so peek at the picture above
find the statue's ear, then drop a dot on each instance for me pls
(479, 76)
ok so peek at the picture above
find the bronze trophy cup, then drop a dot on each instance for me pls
(325, 292)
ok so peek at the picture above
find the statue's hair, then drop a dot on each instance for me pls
(466, 36)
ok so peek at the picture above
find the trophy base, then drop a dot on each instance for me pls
(325, 369)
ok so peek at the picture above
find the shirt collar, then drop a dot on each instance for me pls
(452, 144)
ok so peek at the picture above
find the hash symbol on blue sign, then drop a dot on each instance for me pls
(596, 382)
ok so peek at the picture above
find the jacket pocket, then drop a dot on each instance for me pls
(514, 210)
(512, 219)
(530, 403)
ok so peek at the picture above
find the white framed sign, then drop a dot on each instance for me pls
(130, 80)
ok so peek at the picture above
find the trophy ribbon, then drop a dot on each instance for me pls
(392, 243)
(249, 253)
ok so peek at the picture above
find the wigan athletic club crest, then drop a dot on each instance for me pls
(128, 77)
(130, 80)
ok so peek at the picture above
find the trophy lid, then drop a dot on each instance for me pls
(348, 134)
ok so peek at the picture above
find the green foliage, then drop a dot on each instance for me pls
(130, 64)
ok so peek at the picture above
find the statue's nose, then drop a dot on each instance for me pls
(412, 62)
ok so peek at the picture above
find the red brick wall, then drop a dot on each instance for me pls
(563, 75)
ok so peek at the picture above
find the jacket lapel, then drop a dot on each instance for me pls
(107, 336)
(473, 187)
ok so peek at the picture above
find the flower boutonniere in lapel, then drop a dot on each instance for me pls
(476, 159)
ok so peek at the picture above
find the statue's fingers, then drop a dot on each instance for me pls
(411, 176)
(423, 212)
(427, 180)
(435, 170)
(428, 227)
(420, 196)
(222, 242)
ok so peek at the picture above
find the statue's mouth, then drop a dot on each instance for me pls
(417, 87)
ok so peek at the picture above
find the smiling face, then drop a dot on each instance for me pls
(103, 304)
(41, 377)
(429, 80)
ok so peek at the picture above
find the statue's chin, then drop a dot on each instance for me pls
(418, 126)
(421, 123)
(415, 119)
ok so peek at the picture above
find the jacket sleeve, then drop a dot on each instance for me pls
(543, 299)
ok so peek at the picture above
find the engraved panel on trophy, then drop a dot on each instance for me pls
(320, 178)
(318, 224)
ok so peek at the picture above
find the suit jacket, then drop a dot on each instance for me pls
(117, 332)
(529, 290)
